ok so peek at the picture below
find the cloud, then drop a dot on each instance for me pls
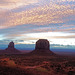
(11, 4)
(54, 37)
(20, 18)
(46, 14)
(27, 32)
(64, 37)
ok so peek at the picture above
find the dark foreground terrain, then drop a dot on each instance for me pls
(21, 64)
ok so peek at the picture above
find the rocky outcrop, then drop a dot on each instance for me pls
(42, 44)
(11, 45)
(10, 50)
(42, 47)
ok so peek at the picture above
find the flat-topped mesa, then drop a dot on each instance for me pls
(42, 44)
(11, 45)
(42, 48)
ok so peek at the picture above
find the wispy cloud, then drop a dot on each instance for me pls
(46, 14)
(21, 19)
(11, 4)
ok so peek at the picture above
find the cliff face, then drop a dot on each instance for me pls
(42, 44)
(42, 48)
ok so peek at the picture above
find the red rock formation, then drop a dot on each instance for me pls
(11, 49)
(11, 45)
(42, 44)
(42, 48)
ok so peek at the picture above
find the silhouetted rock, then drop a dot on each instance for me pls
(10, 49)
(42, 44)
(11, 45)
(42, 48)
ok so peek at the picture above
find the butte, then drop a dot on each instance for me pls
(42, 48)
(11, 49)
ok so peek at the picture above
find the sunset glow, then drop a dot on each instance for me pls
(26, 21)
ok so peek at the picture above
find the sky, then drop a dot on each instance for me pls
(26, 21)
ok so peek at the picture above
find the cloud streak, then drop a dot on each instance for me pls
(11, 4)
(21, 19)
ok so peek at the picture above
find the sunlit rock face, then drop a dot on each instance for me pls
(42, 48)
(42, 44)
